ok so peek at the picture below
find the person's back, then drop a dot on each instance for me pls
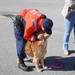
(31, 16)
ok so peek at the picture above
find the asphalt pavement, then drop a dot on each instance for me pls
(8, 56)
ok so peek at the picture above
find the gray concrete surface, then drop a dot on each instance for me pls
(52, 8)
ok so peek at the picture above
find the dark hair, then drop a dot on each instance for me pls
(43, 16)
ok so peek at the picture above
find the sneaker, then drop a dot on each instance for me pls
(66, 52)
(22, 65)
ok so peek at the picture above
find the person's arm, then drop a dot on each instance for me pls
(72, 6)
(68, 8)
(42, 35)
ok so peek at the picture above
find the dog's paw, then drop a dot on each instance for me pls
(39, 70)
(45, 67)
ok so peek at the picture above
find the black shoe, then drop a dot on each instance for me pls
(22, 66)
(74, 66)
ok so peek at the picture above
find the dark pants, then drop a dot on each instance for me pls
(20, 41)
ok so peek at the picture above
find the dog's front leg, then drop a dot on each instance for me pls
(36, 62)
(42, 63)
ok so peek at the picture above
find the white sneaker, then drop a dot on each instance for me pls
(66, 52)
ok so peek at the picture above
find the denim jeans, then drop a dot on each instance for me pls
(69, 24)
(20, 41)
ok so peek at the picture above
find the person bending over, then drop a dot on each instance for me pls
(27, 24)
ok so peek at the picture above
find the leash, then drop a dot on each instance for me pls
(57, 67)
(10, 16)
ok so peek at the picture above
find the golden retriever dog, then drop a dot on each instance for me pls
(37, 50)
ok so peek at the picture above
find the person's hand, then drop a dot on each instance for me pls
(40, 36)
(32, 38)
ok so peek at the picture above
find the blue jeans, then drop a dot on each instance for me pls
(69, 24)
(20, 41)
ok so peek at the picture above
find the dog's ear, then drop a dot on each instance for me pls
(46, 35)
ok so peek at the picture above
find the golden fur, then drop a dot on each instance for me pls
(37, 50)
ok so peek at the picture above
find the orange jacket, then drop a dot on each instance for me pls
(31, 15)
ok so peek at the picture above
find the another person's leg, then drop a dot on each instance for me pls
(18, 32)
(68, 29)
(74, 37)
(74, 41)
